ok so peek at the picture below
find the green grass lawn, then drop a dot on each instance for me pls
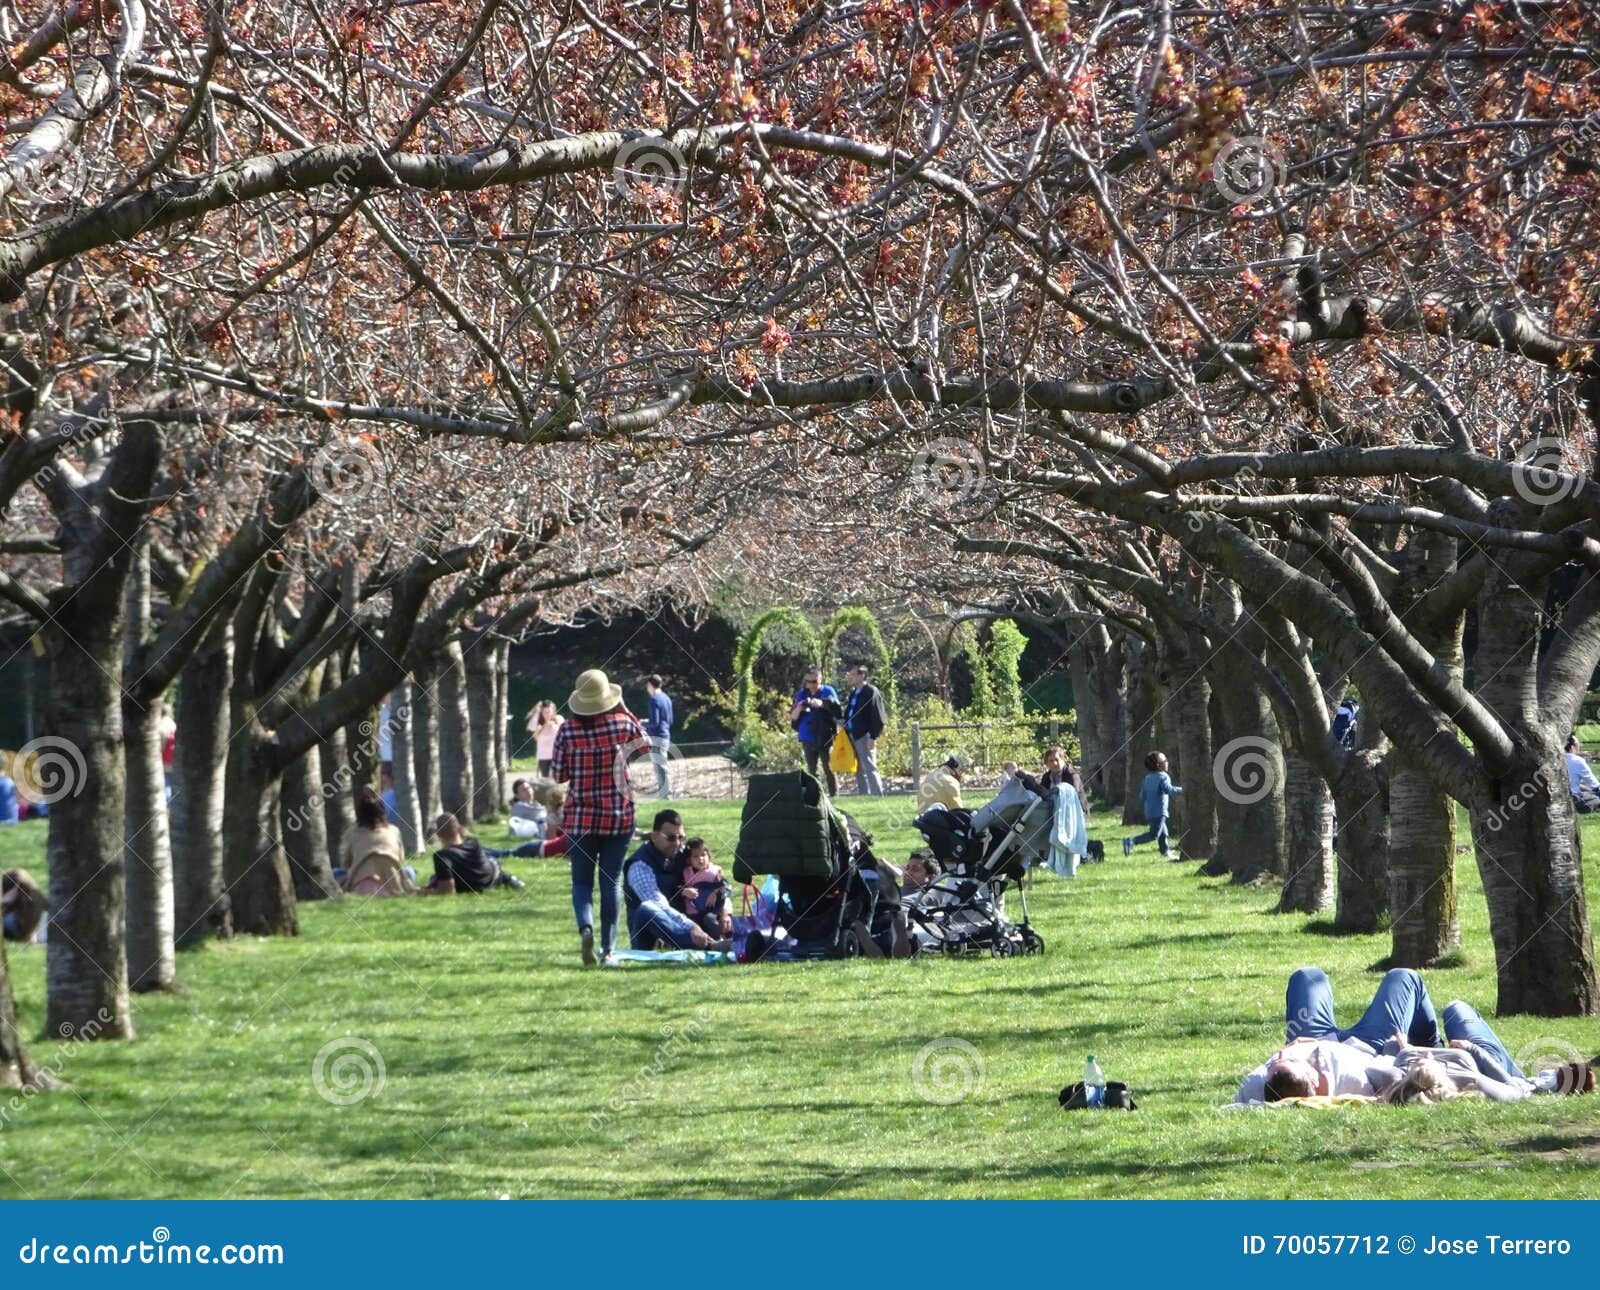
(508, 1070)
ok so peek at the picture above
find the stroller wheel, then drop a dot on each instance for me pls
(1032, 942)
(849, 945)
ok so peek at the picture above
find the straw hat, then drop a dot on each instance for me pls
(594, 694)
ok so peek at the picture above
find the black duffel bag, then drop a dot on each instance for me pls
(1118, 1098)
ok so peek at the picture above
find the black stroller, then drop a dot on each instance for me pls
(827, 874)
(984, 854)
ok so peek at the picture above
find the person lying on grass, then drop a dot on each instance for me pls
(463, 864)
(1318, 1058)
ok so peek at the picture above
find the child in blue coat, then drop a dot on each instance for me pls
(1153, 793)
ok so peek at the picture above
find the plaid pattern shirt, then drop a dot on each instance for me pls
(591, 757)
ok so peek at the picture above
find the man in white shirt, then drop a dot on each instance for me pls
(1581, 779)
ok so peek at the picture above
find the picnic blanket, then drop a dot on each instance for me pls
(1317, 1102)
(669, 958)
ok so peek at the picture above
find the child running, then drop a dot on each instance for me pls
(1153, 794)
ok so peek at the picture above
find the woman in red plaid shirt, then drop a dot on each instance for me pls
(591, 758)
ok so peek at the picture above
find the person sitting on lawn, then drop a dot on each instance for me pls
(704, 894)
(22, 905)
(372, 861)
(942, 787)
(528, 817)
(463, 864)
(1581, 779)
(650, 879)
(553, 798)
(1153, 795)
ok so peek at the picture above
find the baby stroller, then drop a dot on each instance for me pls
(984, 853)
(823, 862)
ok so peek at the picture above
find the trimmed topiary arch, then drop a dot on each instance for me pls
(744, 657)
(859, 616)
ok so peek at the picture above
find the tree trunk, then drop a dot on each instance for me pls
(478, 658)
(1089, 659)
(1422, 867)
(16, 1071)
(201, 907)
(502, 725)
(1141, 722)
(402, 724)
(455, 737)
(146, 845)
(360, 746)
(1422, 819)
(1308, 806)
(1361, 837)
(1188, 713)
(1523, 828)
(338, 811)
(147, 852)
(256, 868)
(305, 829)
(1248, 775)
(425, 745)
(1111, 677)
(86, 964)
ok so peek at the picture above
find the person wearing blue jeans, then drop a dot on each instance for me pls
(604, 851)
(1400, 1006)
(1153, 794)
(1463, 1021)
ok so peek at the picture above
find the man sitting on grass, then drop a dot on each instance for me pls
(462, 863)
(650, 878)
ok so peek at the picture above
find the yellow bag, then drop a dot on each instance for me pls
(842, 756)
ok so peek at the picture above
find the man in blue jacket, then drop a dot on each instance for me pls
(815, 718)
(658, 726)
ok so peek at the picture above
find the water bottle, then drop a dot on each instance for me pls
(1094, 1083)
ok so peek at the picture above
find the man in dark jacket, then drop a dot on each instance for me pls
(864, 719)
(462, 863)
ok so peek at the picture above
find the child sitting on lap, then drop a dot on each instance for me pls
(704, 895)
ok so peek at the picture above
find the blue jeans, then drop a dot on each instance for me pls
(1156, 833)
(1463, 1021)
(644, 932)
(1399, 1006)
(608, 850)
(660, 746)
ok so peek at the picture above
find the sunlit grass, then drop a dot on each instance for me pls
(510, 1070)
